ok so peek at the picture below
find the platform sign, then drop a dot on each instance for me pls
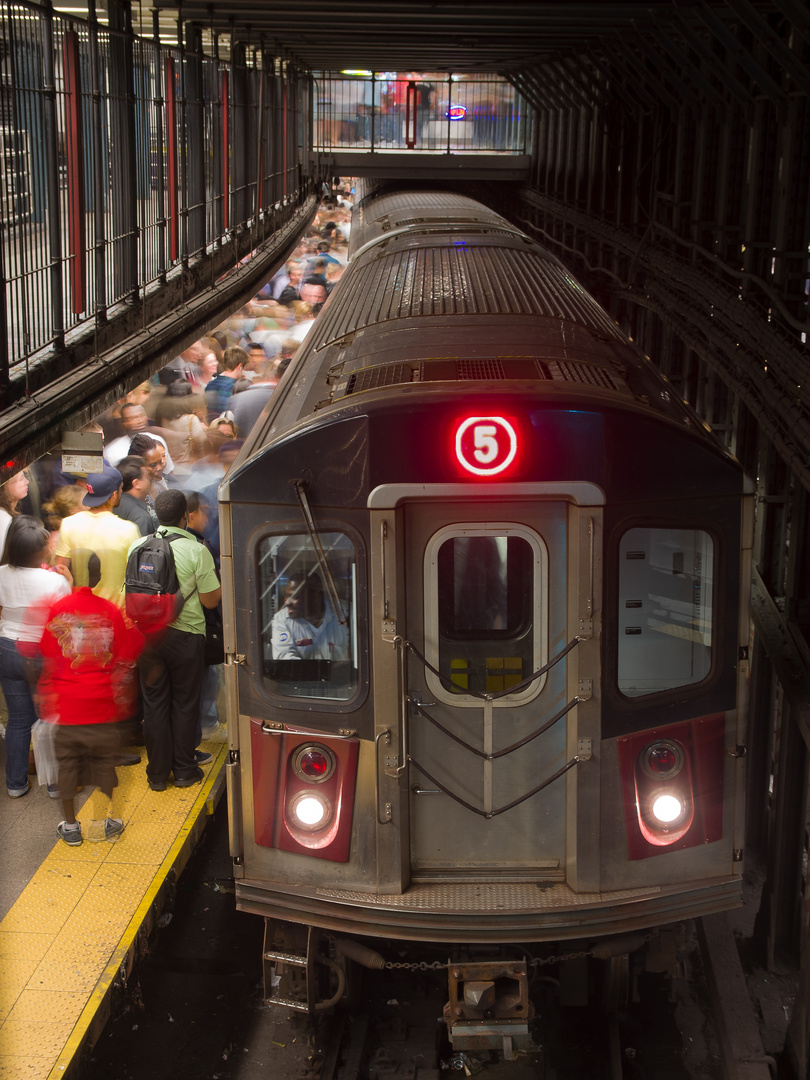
(82, 452)
(486, 445)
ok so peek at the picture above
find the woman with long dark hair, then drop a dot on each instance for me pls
(11, 494)
(27, 589)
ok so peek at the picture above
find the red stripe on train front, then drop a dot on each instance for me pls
(303, 791)
(672, 783)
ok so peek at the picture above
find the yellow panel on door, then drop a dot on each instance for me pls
(513, 671)
(459, 676)
(503, 672)
(494, 674)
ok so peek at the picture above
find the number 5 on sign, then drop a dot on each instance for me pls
(485, 445)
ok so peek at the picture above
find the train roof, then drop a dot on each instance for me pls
(432, 303)
(384, 215)
(417, 276)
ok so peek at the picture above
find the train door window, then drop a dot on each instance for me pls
(666, 579)
(485, 610)
(309, 617)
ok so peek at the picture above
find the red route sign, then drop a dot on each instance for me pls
(486, 445)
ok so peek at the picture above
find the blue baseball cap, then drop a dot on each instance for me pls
(101, 485)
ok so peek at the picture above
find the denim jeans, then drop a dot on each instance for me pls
(208, 699)
(21, 715)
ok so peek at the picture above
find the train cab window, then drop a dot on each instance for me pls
(665, 609)
(309, 616)
(485, 610)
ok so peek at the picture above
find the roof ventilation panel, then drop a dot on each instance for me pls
(592, 374)
(471, 368)
(371, 378)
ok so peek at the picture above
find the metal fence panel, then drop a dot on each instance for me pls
(122, 158)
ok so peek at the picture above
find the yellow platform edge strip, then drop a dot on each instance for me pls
(105, 981)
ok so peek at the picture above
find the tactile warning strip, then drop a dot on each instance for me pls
(63, 941)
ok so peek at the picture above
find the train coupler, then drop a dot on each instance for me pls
(489, 1007)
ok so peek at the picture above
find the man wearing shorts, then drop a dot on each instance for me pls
(88, 683)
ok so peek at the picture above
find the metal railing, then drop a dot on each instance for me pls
(449, 114)
(121, 159)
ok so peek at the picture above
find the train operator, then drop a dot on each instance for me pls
(306, 627)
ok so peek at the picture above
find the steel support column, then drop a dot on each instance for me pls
(52, 179)
(122, 162)
(195, 152)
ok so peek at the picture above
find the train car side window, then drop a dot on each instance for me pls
(309, 637)
(485, 610)
(666, 579)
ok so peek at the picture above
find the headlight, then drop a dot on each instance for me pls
(668, 808)
(310, 810)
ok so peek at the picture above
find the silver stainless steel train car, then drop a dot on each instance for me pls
(486, 626)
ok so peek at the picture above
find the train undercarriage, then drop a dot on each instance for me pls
(467, 1008)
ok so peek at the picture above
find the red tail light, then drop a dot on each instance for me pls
(663, 759)
(313, 763)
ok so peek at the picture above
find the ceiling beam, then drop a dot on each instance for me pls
(743, 57)
(691, 70)
(698, 44)
(762, 31)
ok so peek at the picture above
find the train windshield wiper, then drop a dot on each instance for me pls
(320, 554)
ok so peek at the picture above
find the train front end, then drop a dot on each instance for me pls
(486, 652)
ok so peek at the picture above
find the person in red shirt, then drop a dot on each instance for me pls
(88, 682)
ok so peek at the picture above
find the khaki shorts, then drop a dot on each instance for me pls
(86, 756)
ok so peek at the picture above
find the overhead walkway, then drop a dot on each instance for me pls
(422, 125)
(423, 165)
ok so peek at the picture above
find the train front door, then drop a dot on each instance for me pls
(486, 608)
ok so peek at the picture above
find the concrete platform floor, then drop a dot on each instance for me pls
(27, 833)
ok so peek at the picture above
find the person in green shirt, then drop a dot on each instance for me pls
(172, 667)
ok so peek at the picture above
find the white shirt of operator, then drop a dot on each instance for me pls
(299, 639)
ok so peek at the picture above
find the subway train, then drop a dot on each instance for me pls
(484, 578)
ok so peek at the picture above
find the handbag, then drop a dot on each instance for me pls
(43, 738)
(214, 651)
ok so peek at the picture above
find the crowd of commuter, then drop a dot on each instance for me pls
(73, 653)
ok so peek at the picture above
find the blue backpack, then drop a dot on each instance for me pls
(153, 594)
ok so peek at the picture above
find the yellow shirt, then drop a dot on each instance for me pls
(97, 546)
